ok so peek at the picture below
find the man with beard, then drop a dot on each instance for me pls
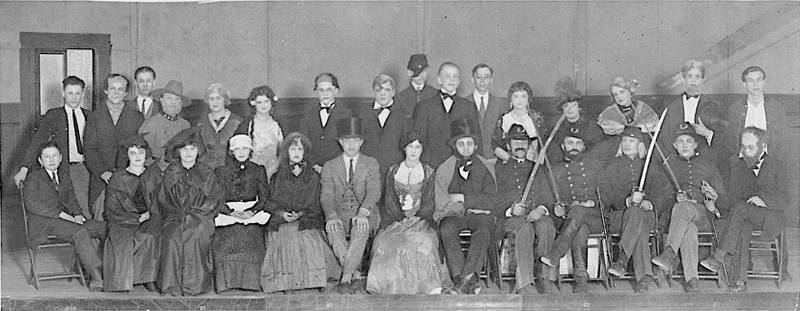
(165, 124)
(578, 176)
(701, 186)
(759, 195)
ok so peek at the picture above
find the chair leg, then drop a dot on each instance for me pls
(78, 266)
(780, 244)
(34, 272)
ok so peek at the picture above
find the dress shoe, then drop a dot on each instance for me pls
(644, 284)
(711, 263)
(547, 287)
(617, 269)
(358, 286)
(468, 285)
(739, 287)
(545, 260)
(151, 287)
(664, 261)
(581, 287)
(692, 286)
(529, 289)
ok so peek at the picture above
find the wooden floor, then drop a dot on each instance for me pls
(16, 293)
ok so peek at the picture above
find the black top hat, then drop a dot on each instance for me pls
(348, 128)
(686, 128)
(461, 128)
(417, 63)
(632, 131)
(517, 132)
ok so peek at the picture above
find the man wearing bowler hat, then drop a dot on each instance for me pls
(160, 128)
(351, 188)
(418, 90)
(465, 192)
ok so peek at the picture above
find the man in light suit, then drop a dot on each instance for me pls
(145, 78)
(351, 187)
(489, 106)
(384, 124)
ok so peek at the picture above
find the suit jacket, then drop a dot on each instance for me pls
(155, 108)
(366, 187)
(54, 125)
(777, 126)
(771, 185)
(102, 138)
(712, 115)
(481, 189)
(409, 98)
(494, 108)
(433, 122)
(383, 143)
(44, 200)
(324, 144)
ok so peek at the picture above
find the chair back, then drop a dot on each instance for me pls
(24, 214)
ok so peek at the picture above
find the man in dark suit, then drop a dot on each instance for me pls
(759, 197)
(705, 115)
(106, 127)
(145, 78)
(66, 127)
(384, 124)
(418, 89)
(489, 106)
(53, 210)
(433, 116)
(319, 121)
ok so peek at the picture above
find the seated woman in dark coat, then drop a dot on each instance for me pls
(405, 256)
(297, 256)
(133, 246)
(239, 236)
(189, 200)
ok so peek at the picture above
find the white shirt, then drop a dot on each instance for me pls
(347, 165)
(756, 116)
(148, 101)
(53, 175)
(74, 156)
(324, 114)
(384, 114)
(448, 103)
(477, 97)
(689, 108)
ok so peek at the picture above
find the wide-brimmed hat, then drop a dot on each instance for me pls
(173, 87)
(417, 63)
(185, 137)
(461, 128)
(349, 128)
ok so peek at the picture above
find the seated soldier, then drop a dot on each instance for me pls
(759, 197)
(465, 193)
(577, 177)
(633, 211)
(526, 224)
(53, 210)
(351, 188)
(701, 185)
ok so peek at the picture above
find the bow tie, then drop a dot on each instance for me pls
(379, 110)
(465, 164)
(300, 165)
(446, 96)
(687, 96)
(327, 109)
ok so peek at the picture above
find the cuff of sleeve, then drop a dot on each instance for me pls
(364, 211)
(546, 211)
(709, 138)
(332, 216)
(508, 212)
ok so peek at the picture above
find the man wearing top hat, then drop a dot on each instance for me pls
(351, 188)
(465, 199)
(577, 178)
(319, 121)
(418, 90)
(694, 206)
(525, 223)
(161, 127)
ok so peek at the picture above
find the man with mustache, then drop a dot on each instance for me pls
(759, 196)
(577, 177)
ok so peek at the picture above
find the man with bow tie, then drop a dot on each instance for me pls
(759, 196)
(465, 199)
(384, 124)
(705, 115)
(418, 89)
(433, 116)
(318, 122)
(147, 105)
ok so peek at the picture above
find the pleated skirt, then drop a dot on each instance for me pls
(297, 259)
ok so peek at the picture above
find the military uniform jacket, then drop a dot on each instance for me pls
(621, 176)
(691, 172)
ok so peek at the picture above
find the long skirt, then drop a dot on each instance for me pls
(131, 257)
(238, 253)
(405, 260)
(297, 259)
(186, 256)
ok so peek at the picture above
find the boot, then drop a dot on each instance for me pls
(664, 261)
(563, 241)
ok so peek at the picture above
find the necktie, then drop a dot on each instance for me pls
(141, 105)
(75, 129)
(350, 171)
(483, 107)
(54, 179)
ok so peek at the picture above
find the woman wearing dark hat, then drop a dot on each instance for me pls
(405, 256)
(297, 255)
(520, 96)
(262, 128)
(238, 244)
(567, 101)
(189, 200)
(133, 245)
(218, 126)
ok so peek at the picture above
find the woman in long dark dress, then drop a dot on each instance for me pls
(405, 255)
(133, 244)
(298, 256)
(189, 200)
(238, 244)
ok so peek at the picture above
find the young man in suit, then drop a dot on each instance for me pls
(489, 106)
(319, 121)
(65, 126)
(53, 210)
(433, 116)
(351, 187)
(145, 78)
(418, 89)
(384, 124)
(106, 127)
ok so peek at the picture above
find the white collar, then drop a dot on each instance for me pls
(378, 106)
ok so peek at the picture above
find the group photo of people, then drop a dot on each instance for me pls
(418, 193)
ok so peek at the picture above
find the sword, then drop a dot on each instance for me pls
(654, 137)
(542, 156)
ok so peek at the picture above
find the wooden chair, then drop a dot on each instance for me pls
(655, 248)
(706, 241)
(491, 267)
(50, 243)
(775, 246)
